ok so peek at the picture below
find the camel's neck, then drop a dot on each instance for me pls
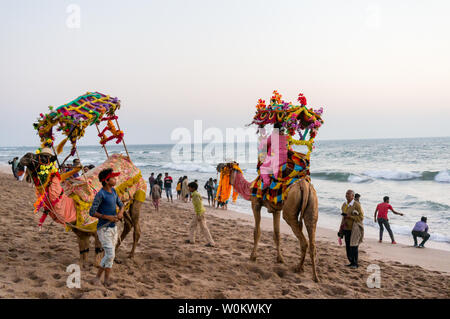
(242, 186)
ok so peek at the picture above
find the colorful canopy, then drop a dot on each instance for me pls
(73, 118)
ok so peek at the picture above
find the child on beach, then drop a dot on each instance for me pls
(156, 195)
(199, 218)
(104, 208)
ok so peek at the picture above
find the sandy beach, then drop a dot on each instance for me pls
(33, 264)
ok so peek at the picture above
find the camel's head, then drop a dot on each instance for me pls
(33, 162)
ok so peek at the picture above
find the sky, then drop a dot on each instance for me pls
(380, 69)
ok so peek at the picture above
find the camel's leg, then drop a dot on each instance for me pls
(98, 250)
(311, 228)
(135, 212)
(291, 212)
(256, 207)
(83, 244)
(290, 216)
(276, 234)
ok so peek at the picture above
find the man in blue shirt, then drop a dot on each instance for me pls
(421, 230)
(104, 208)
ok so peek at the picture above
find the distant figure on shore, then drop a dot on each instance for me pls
(88, 168)
(352, 228)
(383, 220)
(76, 163)
(168, 186)
(159, 181)
(184, 189)
(421, 230)
(180, 181)
(14, 163)
(216, 187)
(151, 181)
(209, 186)
(156, 195)
(357, 197)
(199, 218)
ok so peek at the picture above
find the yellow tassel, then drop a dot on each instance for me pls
(60, 147)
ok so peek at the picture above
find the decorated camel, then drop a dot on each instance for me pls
(67, 198)
(283, 182)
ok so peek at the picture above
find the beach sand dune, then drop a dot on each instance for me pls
(33, 264)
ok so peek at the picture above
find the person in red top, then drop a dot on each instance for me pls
(382, 219)
(168, 186)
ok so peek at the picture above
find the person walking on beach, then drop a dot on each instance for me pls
(159, 180)
(352, 228)
(184, 189)
(357, 197)
(421, 230)
(14, 163)
(180, 181)
(383, 220)
(104, 208)
(209, 186)
(168, 186)
(199, 217)
(216, 187)
(151, 182)
(156, 196)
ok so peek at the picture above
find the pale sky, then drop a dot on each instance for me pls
(380, 69)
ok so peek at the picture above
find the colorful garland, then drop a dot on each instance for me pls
(293, 118)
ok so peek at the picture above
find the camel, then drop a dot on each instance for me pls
(71, 199)
(300, 205)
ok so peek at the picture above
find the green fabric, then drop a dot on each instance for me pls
(198, 204)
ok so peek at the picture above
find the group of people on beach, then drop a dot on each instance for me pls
(158, 184)
(352, 227)
(104, 207)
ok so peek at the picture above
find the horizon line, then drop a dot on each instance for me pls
(346, 139)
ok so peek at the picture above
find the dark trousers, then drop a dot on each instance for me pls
(352, 251)
(420, 234)
(384, 222)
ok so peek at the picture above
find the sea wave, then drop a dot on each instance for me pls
(443, 177)
(394, 175)
(189, 167)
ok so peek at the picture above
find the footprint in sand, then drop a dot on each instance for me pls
(56, 276)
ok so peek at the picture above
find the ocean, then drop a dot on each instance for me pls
(414, 173)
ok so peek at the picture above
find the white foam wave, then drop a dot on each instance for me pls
(357, 179)
(190, 167)
(443, 177)
(392, 174)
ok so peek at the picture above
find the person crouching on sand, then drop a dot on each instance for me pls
(156, 195)
(104, 208)
(199, 217)
(421, 230)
